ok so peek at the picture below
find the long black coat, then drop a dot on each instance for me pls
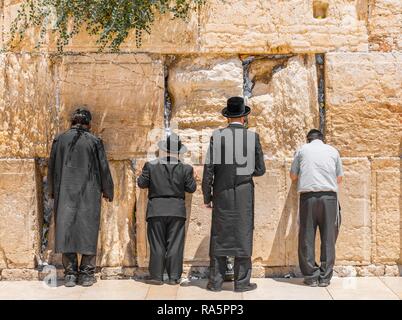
(78, 174)
(168, 179)
(228, 183)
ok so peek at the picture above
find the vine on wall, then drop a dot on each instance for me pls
(110, 20)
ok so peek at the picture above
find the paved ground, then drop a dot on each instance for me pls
(340, 288)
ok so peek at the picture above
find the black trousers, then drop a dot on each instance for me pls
(318, 209)
(166, 241)
(242, 271)
(87, 265)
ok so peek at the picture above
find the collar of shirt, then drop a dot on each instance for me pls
(317, 141)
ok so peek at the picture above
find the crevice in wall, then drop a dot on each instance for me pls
(168, 104)
(276, 63)
(320, 64)
(247, 83)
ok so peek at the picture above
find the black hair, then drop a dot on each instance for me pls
(314, 134)
(81, 116)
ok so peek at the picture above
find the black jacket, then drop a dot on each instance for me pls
(78, 175)
(228, 183)
(167, 179)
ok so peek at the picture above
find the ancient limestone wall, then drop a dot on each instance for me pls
(300, 64)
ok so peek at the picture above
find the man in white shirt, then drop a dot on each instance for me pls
(317, 168)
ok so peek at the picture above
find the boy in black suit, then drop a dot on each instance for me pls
(168, 179)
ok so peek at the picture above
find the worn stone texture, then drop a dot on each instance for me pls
(198, 226)
(142, 247)
(20, 274)
(167, 35)
(27, 105)
(284, 102)
(281, 27)
(271, 216)
(199, 87)
(125, 93)
(386, 193)
(385, 25)
(364, 102)
(354, 240)
(20, 214)
(237, 27)
(116, 246)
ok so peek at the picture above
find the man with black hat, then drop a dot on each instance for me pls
(234, 157)
(167, 180)
(78, 175)
(318, 169)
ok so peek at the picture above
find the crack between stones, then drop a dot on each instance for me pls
(320, 65)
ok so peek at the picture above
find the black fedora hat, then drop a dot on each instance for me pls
(172, 144)
(235, 108)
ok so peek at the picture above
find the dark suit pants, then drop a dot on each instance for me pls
(166, 241)
(318, 209)
(87, 265)
(242, 271)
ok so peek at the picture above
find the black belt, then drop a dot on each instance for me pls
(167, 197)
(318, 193)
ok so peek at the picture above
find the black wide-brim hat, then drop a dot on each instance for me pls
(172, 144)
(235, 108)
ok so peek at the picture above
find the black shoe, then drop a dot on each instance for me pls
(324, 283)
(86, 280)
(153, 281)
(173, 282)
(249, 287)
(70, 281)
(210, 287)
(311, 283)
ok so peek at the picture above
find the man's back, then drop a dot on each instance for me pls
(167, 178)
(318, 165)
(235, 156)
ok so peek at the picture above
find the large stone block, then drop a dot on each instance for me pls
(125, 93)
(167, 35)
(281, 27)
(198, 227)
(386, 197)
(364, 102)
(27, 105)
(271, 216)
(116, 246)
(354, 240)
(385, 25)
(284, 102)
(199, 87)
(20, 214)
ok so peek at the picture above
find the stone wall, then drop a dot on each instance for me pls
(298, 64)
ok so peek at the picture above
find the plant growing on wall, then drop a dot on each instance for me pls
(110, 20)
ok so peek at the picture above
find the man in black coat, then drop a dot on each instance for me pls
(78, 175)
(167, 179)
(234, 157)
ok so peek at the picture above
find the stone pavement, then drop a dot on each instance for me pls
(268, 288)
